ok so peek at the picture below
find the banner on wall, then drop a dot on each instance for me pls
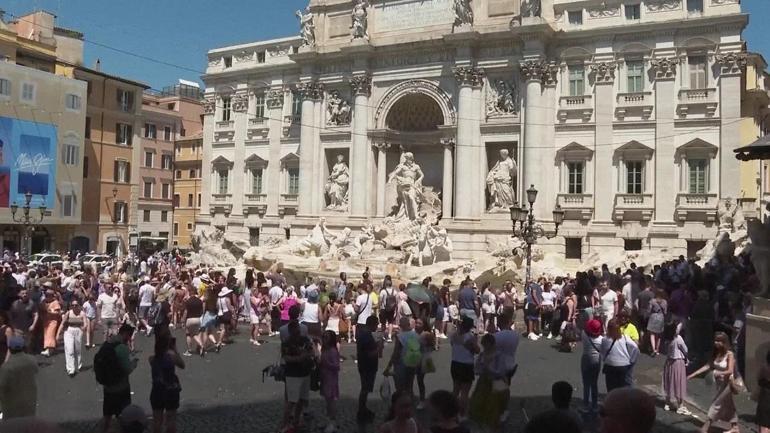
(27, 162)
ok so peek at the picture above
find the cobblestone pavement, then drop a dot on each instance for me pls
(225, 393)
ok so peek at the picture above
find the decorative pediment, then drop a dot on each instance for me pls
(221, 162)
(575, 152)
(255, 161)
(634, 150)
(290, 159)
(696, 148)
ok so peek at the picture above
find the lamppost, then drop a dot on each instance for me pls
(529, 231)
(28, 221)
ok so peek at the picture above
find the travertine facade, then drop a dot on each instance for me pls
(623, 113)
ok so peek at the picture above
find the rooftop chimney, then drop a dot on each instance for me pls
(98, 65)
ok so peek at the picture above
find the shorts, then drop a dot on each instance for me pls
(446, 317)
(471, 314)
(462, 372)
(387, 316)
(115, 402)
(208, 321)
(297, 388)
(143, 312)
(164, 399)
(533, 313)
(193, 325)
(225, 318)
(367, 376)
(254, 319)
(110, 323)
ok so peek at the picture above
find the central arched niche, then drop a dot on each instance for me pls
(414, 112)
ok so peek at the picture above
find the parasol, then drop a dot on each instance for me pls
(417, 293)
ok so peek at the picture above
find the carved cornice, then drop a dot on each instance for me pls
(361, 84)
(469, 76)
(275, 98)
(240, 103)
(663, 5)
(550, 74)
(731, 63)
(448, 143)
(311, 90)
(724, 2)
(604, 72)
(381, 146)
(209, 106)
(665, 68)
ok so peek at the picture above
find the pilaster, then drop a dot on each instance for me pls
(209, 108)
(604, 75)
(731, 67)
(665, 70)
(447, 196)
(274, 100)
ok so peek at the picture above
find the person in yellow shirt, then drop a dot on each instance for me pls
(626, 327)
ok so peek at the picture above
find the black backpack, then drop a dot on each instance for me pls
(390, 300)
(154, 314)
(106, 365)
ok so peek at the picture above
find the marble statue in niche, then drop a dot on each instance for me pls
(359, 29)
(500, 183)
(407, 177)
(338, 109)
(463, 13)
(307, 27)
(530, 8)
(337, 184)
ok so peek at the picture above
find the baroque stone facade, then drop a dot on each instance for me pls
(629, 128)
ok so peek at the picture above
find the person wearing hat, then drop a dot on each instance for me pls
(224, 316)
(18, 382)
(52, 316)
(590, 365)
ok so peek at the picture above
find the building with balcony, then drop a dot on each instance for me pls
(161, 128)
(623, 113)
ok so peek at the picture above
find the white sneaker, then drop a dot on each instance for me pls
(683, 411)
(532, 336)
(666, 408)
(550, 336)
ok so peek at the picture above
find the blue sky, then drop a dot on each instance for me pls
(179, 32)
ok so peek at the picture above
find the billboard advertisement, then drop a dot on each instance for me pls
(27, 162)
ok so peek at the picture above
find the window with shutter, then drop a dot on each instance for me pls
(634, 177)
(575, 177)
(698, 178)
(576, 80)
(189, 200)
(698, 72)
(635, 76)
(116, 171)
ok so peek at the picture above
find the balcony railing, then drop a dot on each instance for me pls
(705, 100)
(225, 124)
(256, 198)
(633, 207)
(576, 206)
(289, 198)
(638, 103)
(257, 121)
(221, 198)
(576, 106)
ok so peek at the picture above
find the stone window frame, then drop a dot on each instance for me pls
(696, 47)
(219, 164)
(255, 162)
(570, 58)
(633, 151)
(289, 161)
(696, 149)
(571, 153)
(255, 95)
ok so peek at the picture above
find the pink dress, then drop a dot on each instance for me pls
(330, 373)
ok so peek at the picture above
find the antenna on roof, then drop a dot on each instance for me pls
(98, 65)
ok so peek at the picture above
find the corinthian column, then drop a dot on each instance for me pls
(533, 72)
(468, 151)
(310, 92)
(361, 86)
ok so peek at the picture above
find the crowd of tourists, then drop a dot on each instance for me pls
(692, 315)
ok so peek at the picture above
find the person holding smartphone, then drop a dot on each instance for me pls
(164, 395)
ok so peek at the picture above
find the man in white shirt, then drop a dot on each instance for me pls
(107, 310)
(363, 305)
(276, 294)
(146, 296)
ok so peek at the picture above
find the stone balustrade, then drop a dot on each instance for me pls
(696, 207)
(633, 207)
(635, 103)
(700, 101)
(576, 206)
(580, 107)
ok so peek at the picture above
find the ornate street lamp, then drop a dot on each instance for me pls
(28, 221)
(528, 230)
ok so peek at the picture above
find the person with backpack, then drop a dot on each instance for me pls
(389, 304)
(406, 357)
(164, 396)
(112, 367)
